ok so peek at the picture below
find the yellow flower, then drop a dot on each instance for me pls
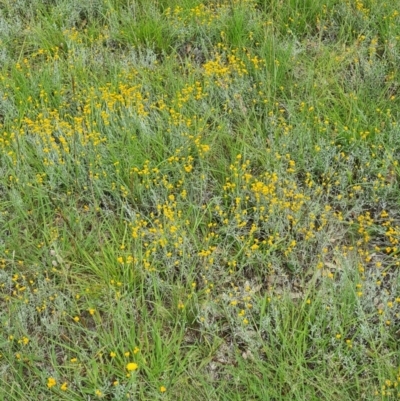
(51, 381)
(64, 386)
(76, 318)
(92, 311)
(131, 366)
(113, 354)
(163, 389)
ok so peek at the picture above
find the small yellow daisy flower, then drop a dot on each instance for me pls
(131, 366)
(51, 382)
(163, 389)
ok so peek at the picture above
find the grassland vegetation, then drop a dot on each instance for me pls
(199, 200)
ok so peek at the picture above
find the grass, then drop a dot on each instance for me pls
(200, 200)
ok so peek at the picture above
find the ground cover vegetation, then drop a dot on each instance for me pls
(199, 200)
